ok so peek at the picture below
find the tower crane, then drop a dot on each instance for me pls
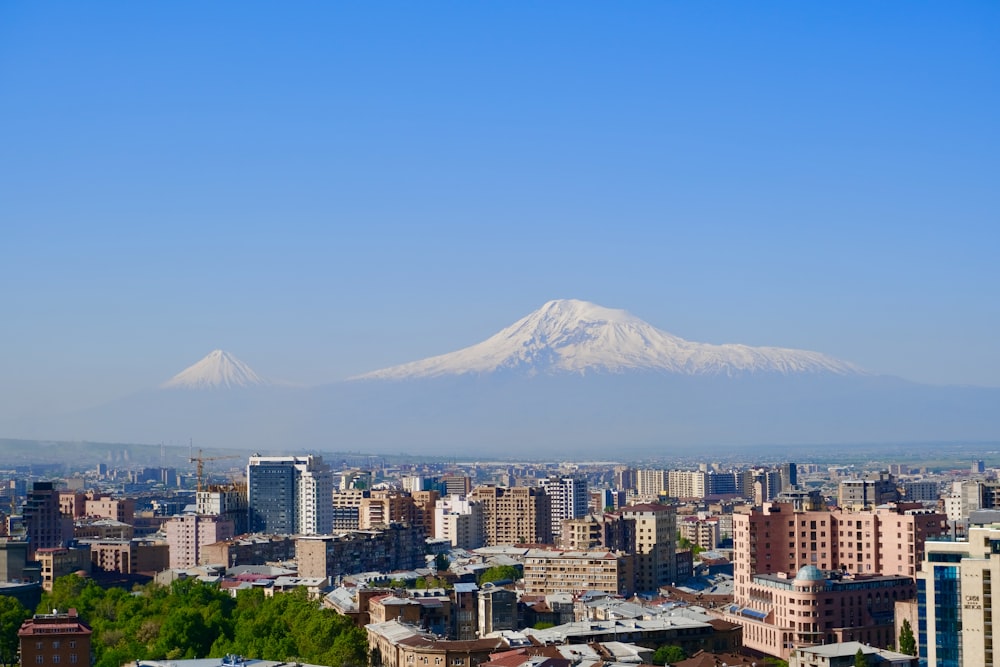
(201, 463)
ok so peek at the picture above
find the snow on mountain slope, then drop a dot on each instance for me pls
(571, 336)
(218, 369)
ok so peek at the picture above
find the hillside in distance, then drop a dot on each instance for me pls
(571, 379)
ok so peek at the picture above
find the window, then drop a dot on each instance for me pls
(39, 659)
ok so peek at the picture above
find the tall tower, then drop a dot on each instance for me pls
(289, 495)
(568, 496)
(45, 525)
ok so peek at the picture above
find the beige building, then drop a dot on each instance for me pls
(651, 483)
(653, 540)
(384, 507)
(128, 556)
(58, 562)
(550, 571)
(119, 509)
(514, 515)
(956, 586)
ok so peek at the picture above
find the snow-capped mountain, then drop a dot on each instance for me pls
(218, 369)
(577, 337)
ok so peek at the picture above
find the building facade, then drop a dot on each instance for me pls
(514, 515)
(55, 639)
(289, 495)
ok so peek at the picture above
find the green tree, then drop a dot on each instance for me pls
(500, 573)
(907, 642)
(441, 562)
(669, 654)
(860, 660)
(12, 615)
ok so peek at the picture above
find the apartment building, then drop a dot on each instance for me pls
(551, 571)
(514, 515)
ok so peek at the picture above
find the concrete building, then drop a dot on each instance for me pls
(188, 534)
(60, 561)
(55, 639)
(128, 556)
(227, 503)
(583, 534)
(651, 483)
(497, 609)
(868, 492)
(394, 547)
(45, 525)
(460, 520)
(289, 495)
(249, 550)
(383, 507)
(514, 515)
(119, 509)
(686, 484)
(955, 600)
(842, 655)
(551, 571)
(702, 532)
(568, 497)
(652, 537)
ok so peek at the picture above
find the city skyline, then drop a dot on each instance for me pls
(327, 191)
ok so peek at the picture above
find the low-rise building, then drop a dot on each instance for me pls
(549, 571)
(55, 639)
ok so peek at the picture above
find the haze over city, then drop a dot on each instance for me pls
(325, 191)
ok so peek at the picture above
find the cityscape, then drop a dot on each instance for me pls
(500, 563)
(342, 334)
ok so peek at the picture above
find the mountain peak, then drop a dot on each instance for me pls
(218, 369)
(578, 337)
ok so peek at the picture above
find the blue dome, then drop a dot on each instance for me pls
(810, 573)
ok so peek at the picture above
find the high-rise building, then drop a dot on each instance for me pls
(187, 534)
(654, 543)
(955, 602)
(515, 515)
(45, 525)
(868, 491)
(568, 497)
(460, 520)
(228, 504)
(290, 495)
(651, 483)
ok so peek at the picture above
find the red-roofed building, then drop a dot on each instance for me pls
(55, 639)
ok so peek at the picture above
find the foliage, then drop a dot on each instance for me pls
(189, 619)
(543, 625)
(907, 642)
(775, 662)
(685, 543)
(441, 562)
(500, 573)
(12, 615)
(860, 660)
(669, 654)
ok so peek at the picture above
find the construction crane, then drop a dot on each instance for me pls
(201, 463)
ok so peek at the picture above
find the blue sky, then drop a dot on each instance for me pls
(328, 188)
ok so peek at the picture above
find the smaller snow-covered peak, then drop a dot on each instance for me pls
(218, 369)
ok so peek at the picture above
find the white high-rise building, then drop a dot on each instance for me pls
(459, 520)
(569, 496)
(290, 495)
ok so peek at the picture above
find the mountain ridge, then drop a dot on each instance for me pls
(573, 336)
(216, 370)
